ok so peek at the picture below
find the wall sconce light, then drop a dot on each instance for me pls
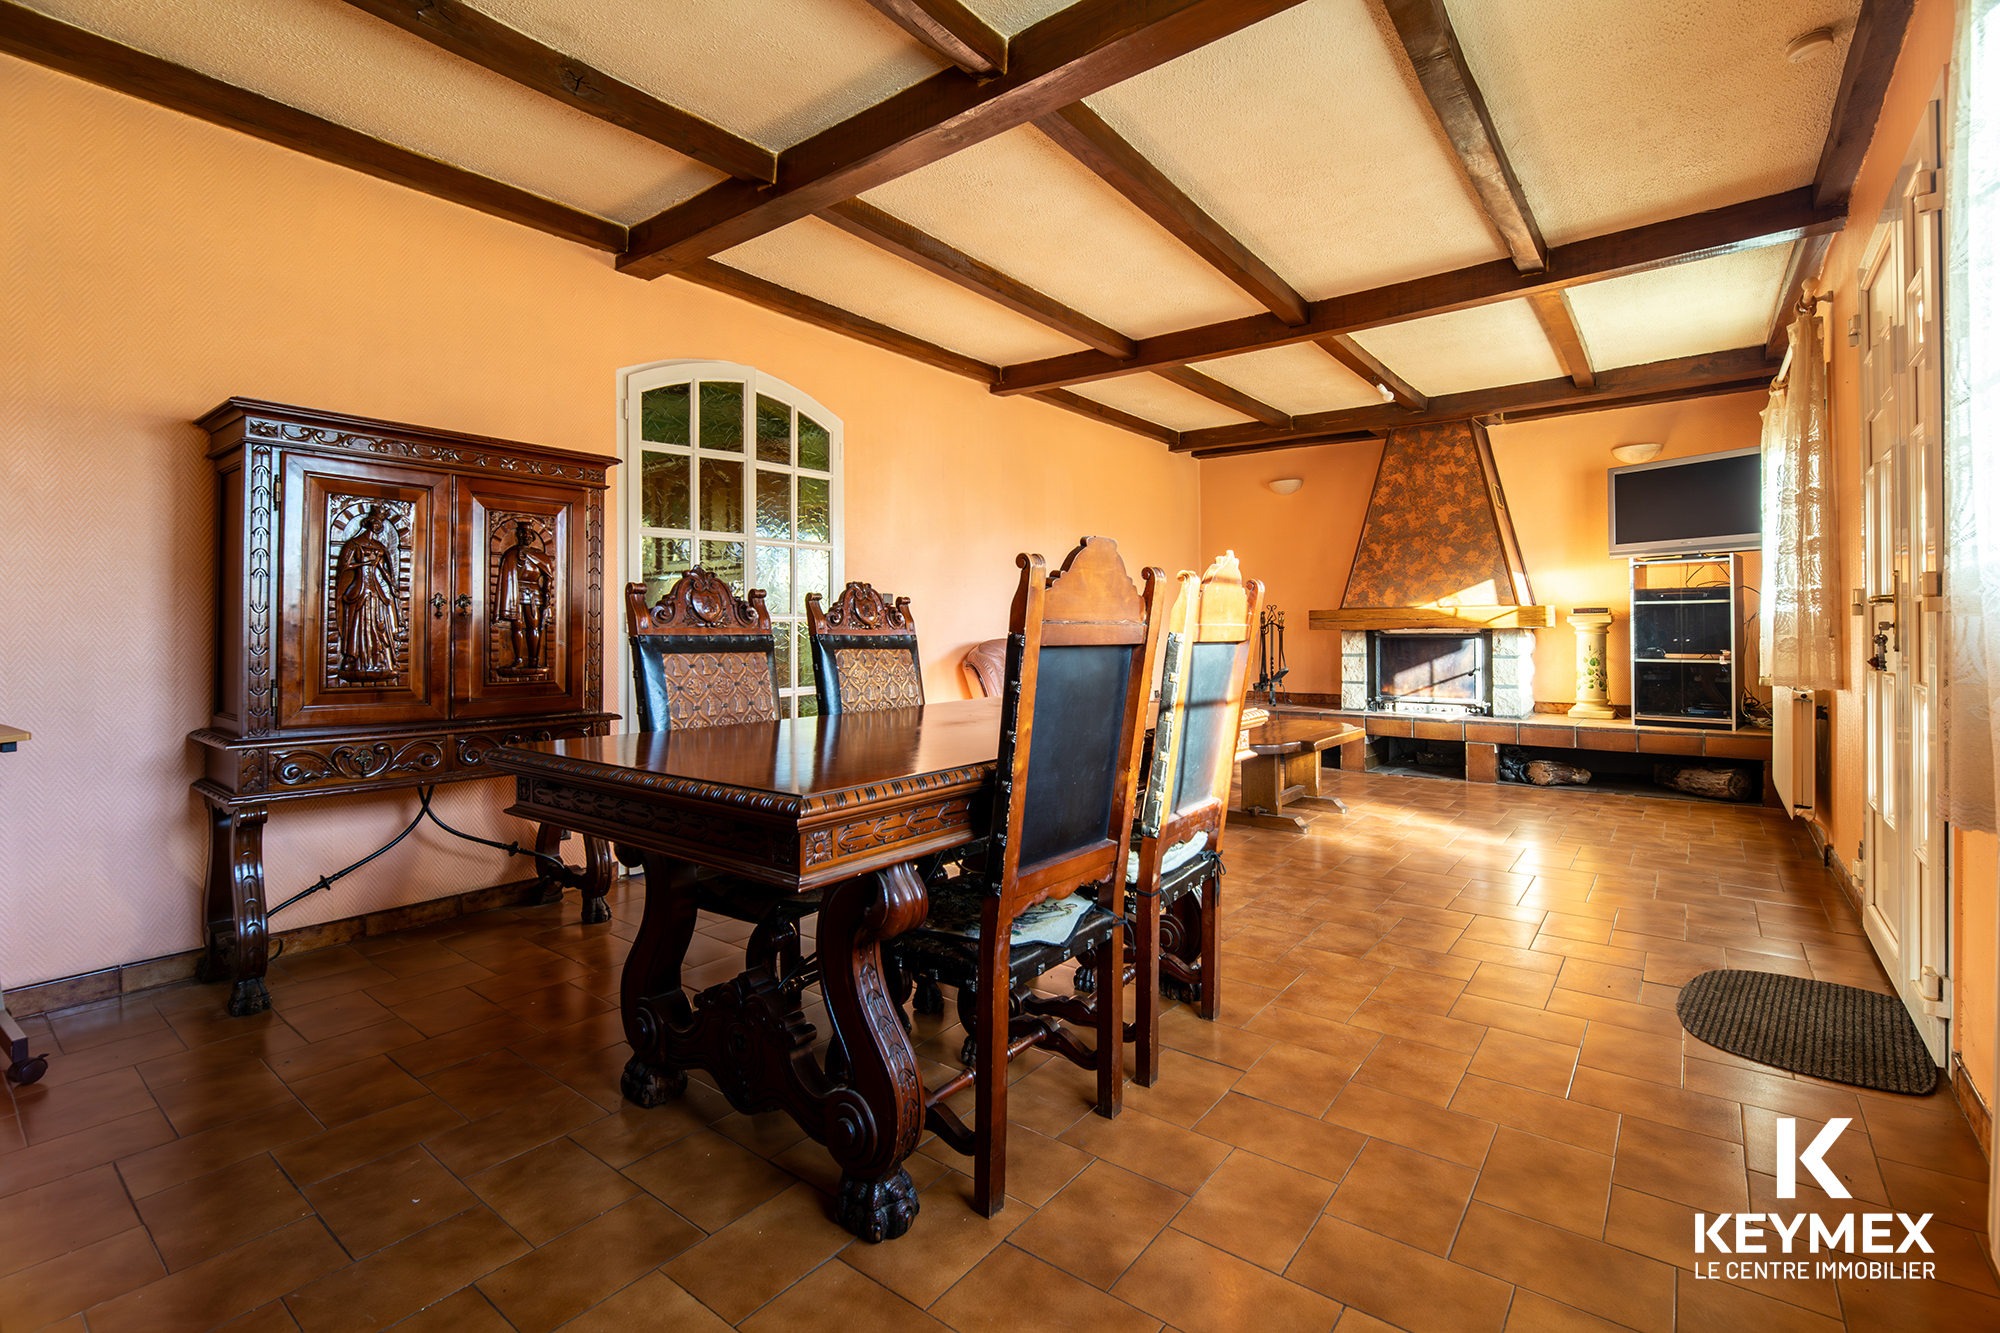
(1286, 485)
(1636, 453)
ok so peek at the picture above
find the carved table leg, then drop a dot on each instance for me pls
(597, 865)
(235, 926)
(548, 842)
(650, 993)
(873, 1120)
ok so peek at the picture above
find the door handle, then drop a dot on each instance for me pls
(462, 603)
(437, 606)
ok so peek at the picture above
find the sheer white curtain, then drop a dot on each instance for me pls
(1972, 422)
(1799, 628)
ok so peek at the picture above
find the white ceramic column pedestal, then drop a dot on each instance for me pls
(1592, 625)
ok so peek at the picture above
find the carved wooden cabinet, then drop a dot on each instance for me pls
(395, 601)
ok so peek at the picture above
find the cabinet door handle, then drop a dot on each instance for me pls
(437, 606)
(462, 602)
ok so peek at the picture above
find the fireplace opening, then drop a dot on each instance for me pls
(1427, 671)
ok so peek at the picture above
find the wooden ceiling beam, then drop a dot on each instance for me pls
(1758, 222)
(1864, 82)
(471, 35)
(1558, 321)
(1085, 136)
(1111, 416)
(86, 55)
(1217, 392)
(1447, 81)
(953, 31)
(890, 233)
(1344, 349)
(785, 301)
(1302, 442)
(1660, 381)
(1072, 53)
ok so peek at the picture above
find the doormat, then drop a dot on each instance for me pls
(1809, 1027)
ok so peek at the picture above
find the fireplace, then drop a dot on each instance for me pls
(1429, 671)
(1506, 658)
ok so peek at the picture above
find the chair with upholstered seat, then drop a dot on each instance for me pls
(704, 657)
(864, 651)
(986, 663)
(1174, 875)
(1080, 655)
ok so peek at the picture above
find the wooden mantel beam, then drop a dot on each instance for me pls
(471, 35)
(1758, 222)
(889, 233)
(1660, 381)
(1447, 81)
(1086, 136)
(1074, 52)
(953, 31)
(45, 41)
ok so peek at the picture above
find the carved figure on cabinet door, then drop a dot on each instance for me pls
(527, 588)
(366, 580)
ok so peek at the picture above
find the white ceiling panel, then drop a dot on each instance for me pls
(1154, 399)
(335, 61)
(774, 71)
(1467, 349)
(1023, 205)
(822, 261)
(1664, 313)
(1009, 17)
(1296, 379)
(1616, 114)
(1306, 137)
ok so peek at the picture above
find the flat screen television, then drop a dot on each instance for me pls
(1679, 506)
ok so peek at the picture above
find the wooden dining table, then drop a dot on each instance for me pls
(839, 804)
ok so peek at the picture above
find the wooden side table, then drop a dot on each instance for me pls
(21, 1066)
(1284, 766)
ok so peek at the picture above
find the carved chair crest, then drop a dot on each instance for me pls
(864, 651)
(701, 656)
(698, 603)
(860, 610)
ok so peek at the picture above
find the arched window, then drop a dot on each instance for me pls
(737, 471)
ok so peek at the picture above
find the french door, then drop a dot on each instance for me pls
(1903, 862)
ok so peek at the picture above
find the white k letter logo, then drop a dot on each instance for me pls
(1814, 1158)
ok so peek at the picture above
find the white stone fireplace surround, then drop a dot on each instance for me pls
(1511, 661)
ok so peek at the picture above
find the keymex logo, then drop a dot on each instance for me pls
(1809, 1233)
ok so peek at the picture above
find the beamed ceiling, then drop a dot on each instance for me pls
(1228, 225)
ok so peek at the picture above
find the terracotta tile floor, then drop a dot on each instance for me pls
(1448, 1093)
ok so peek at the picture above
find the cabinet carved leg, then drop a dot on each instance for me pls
(874, 1117)
(548, 842)
(237, 939)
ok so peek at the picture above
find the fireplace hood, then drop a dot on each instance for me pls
(1437, 549)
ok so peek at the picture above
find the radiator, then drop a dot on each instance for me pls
(1794, 753)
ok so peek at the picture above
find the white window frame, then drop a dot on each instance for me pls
(635, 381)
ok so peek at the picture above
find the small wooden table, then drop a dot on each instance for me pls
(1284, 766)
(841, 804)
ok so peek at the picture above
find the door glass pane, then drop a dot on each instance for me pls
(722, 417)
(721, 495)
(815, 510)
(815, 571)
(774, 505)
(774, 576)
(804, 654)
(663, 559)
(663, 414)
(784, 643)
(774, 431)
(808, 705)
(663, 490)
(815, 445)
(725, 561)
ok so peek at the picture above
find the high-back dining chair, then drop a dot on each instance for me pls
(704, 657)
(864, 651)
(1210, 633)
(1080, 653)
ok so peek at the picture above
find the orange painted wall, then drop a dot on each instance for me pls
(1554, 474)
(152, 265)
(1975, 861)
(1301, 545)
